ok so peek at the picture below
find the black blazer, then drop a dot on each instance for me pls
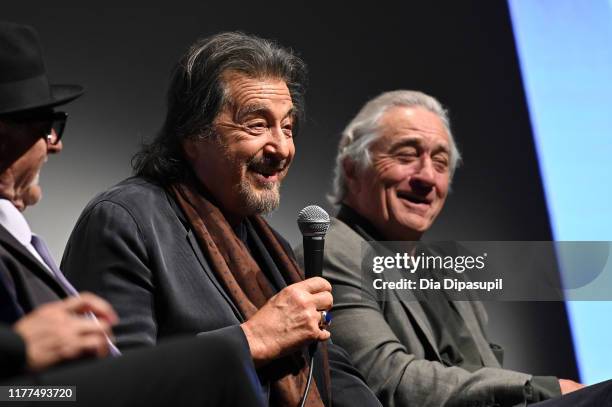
(26, 283)
(161, 376)
(12, 353)
(167, 373)
(133, 246)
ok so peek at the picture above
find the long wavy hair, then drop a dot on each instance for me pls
(197, 94)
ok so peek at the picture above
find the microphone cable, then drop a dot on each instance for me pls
(307, 389)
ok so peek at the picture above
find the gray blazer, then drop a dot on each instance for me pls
(388, 340)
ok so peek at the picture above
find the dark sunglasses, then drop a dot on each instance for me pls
(56, 129)
(54, 122)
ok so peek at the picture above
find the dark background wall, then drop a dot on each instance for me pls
(461, 52)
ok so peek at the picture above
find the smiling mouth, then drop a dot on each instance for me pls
(267, 170)
(269, 173)
(413, 198)
(266, 177)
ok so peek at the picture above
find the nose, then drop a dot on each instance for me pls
(279, 145)
(55, 148)
(424, 176)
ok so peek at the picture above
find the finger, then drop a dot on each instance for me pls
(324, 335)
(54, 308)
(323, 300)
(86, 326)
(316, 285)
(87, 302)
(94, 345)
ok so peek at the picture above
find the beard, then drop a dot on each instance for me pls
(265, 198)
(260, 202)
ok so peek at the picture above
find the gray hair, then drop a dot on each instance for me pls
(197, 93)
(361, 132)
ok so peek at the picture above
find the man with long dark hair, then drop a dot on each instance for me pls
(182, 246)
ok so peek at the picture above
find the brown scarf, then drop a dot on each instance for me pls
(248, 286)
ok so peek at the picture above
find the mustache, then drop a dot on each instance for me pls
(267, 165)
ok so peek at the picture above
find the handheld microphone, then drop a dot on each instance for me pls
(313, 222)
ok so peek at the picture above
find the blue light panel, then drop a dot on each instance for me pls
(565, 53)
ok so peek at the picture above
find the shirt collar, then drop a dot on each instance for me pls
(14, 221)
(358, 223)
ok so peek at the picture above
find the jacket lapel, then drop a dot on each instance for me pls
(406, 297)
(10, 308)
(30, 262)
(413, 306)
(195, 247)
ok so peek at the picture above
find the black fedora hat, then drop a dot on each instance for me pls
(23, 79)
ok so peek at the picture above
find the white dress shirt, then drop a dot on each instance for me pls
(15, 223)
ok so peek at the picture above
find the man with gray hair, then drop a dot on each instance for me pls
(394, 166)
(182, 246)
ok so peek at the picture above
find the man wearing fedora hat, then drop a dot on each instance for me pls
(44, 322)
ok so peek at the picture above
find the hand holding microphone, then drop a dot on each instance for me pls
(288, 321)
(295, 316)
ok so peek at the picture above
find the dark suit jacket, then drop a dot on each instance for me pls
(12, 353)
(166, 375)
(24, 285)
(597, 395)
(133, 246)
(211, 370)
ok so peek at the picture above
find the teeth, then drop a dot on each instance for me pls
(265, 174)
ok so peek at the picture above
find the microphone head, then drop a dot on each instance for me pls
(313, 221)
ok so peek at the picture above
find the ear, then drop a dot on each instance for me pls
(351, 174)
